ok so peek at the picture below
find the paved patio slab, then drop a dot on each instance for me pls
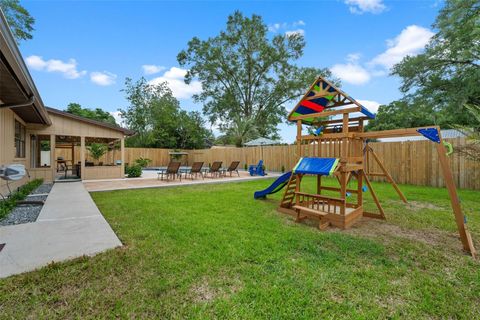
(69, 226)
(149, 180)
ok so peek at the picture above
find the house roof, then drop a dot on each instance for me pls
(261, 142)
(126, 132)
(17, 89)
(321, 96)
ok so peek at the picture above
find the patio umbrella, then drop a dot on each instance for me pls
(261, 142)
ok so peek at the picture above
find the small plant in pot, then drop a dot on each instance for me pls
(97, 150)
(283, 169)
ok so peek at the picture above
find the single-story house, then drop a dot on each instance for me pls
(49, 142)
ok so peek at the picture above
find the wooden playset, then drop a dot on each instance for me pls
(340, 147)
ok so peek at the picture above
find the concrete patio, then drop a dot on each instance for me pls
(69, 226)
(149, 180)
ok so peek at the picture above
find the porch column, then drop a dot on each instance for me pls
(82, 157)
(53, 159)
(122, 152)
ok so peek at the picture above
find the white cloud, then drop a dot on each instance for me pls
(104, 78)
(152, 69)
(362, 6)
(289, 28)
(351, 72)
(175, 80)
(372, 106)
(294, 32)
(118, 118)
(67, 69)
(411, 41)
(299, 23)
(276, 27)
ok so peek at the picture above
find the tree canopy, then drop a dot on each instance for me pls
(156, 117)
(247, 75)
(446, 76)
(402, 114)
(18, 18)
(95, 114)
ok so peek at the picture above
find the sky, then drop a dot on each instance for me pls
(82, 51)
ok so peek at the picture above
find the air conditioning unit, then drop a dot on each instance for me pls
(12, 172)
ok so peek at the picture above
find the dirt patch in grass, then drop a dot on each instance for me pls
(416, 205)
(209, 289)
(372, 228)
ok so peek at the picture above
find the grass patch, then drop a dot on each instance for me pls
(211, 251)
(7, 204)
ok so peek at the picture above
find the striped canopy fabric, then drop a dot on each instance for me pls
(324, 95)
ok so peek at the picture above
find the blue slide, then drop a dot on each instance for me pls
(276, 186)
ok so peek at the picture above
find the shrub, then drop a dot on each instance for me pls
(143, 162)
(134, 171)
(246, 167)
(9, 203)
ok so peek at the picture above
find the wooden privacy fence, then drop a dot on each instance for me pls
(409, 162)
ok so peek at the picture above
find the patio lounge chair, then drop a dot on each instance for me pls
(171, 171)
(232, 168)
(195, 170)
(215, 169)
(257, 170)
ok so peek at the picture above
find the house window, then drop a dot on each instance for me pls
(19, 140)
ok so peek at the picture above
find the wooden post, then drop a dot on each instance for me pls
(452, 192)
(319, 184)
(53, 160)
(122, 151)
(377, 202)
(361, 172)
(82, 157)
(299, 139)
(343, 163)
(73, 155)
(387, 174)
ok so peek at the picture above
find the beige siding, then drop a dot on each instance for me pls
(71, 127)
(103, 172)
(7, 147)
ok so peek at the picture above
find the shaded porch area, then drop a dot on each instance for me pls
(75, 158)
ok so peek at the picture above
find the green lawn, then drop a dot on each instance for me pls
(211, 251)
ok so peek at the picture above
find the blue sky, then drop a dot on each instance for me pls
(82, 51)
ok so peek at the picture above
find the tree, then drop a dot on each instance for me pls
(245, 74)
(155, 115)
(95, 114)
(402, 114)
(242, 130)
(447, 74)
(471, 149)
(18, 18)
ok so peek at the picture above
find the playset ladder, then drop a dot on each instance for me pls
(289, 194)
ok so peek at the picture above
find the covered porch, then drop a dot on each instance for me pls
(75, 148)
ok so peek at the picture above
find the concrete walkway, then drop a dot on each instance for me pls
(69, 226)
